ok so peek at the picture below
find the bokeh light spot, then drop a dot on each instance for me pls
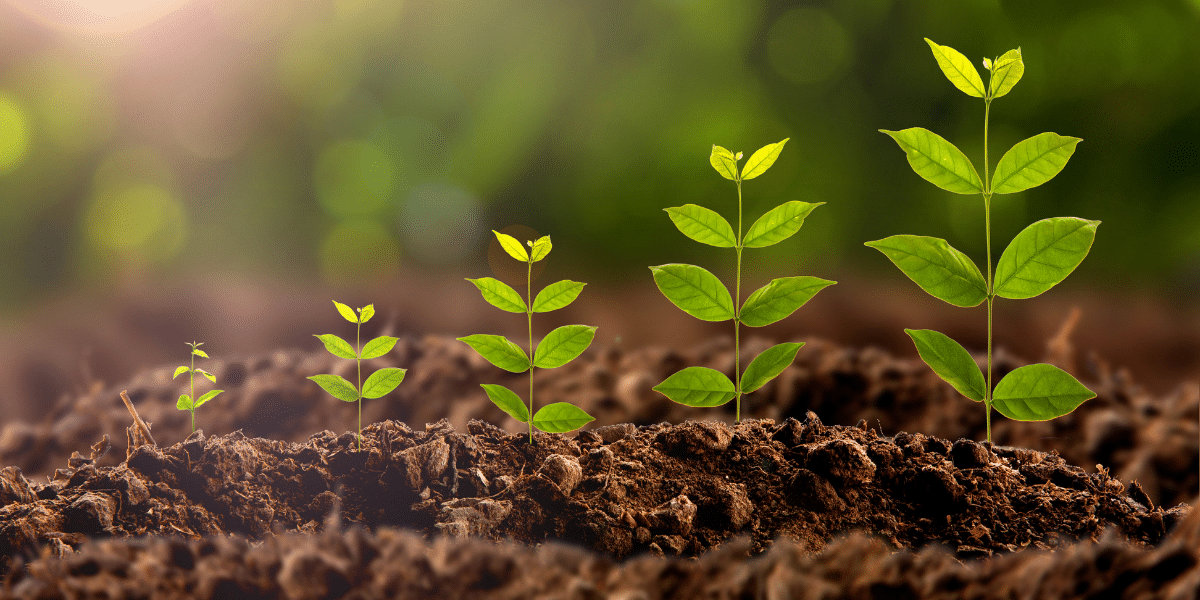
(353, 179)
(141, 219)
(807, 45)
(439, 223)
(14, 134)
(358, 253)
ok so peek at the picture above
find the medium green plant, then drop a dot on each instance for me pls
(379, 383)
(1038, 258)
(185, 401)
(700, 294)
(558, 348)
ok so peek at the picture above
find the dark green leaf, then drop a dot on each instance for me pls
(779, 224)
(508, 401)
(382, 381)
(939, 162)
(695, 290)
(209, 395)
(1042, 255)
(958, 69)
(950, 361)
(762, 159)
(768, 365)
(557, 295)
(724, 162)
(562, 345)
(561, 417)
(499, 351)
(337, 346)
(703, 225)
(378, 346)
(780, 298)
(938, 268)
(1033, 162)
(1038, 392)
(698, 386)
(337, 386)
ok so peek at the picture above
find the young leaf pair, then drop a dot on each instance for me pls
(558, 348)
(700, 294)
(1037, 259)
(379, 383)
(185, 401)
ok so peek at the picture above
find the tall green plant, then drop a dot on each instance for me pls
(1038, 258)
(700, 294)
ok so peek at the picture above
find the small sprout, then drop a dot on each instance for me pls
(1037, 259)
(700, 294)
(379, 383)
(185, 401)
(558, 348)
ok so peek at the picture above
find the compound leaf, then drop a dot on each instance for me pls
(1038, 392)
(768, 365)
(694, 290)
(346, 312)
(499, 351)
(698, 386)
(958, 69)
(209, 395)
(762, 159)
(540, 248)
(382, 381)
(557, 295)
(561, 417)
(724, 162)
(366, 313)
(939, 162)
(500, 294)
(780, 298)
(779, 224)
(703, 225)
(180, 371)
(562, 345)
(378, 346)
(950, 361)
(337, 346)
(207, 375)
(184, 402)
(1006, 72)
(337, 386)
(1032, 162)
(1042, 255)
(512, 246)
(939, 269)
(508, 401)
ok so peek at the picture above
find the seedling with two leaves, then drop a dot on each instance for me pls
(700, 294)
(185, 401)
(1038, 258)
(379, 383)
(558, 348)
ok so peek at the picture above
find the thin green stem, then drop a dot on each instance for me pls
(529, 320)
(987, 221)
(737, 314)
(192, 387)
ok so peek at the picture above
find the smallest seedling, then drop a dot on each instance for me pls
(185, 401)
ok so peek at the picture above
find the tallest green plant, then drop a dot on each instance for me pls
(1038, 258)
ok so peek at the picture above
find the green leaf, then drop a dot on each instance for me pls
(780, 298)
(939, 162)
(561, 417)
(703, 225)
(958, 69)
(508, 401)
(1033, 162)
(557, 295)
(696, 291)
(562, 345)
(366, 313)
(1042, 255)
(337, 386)
(937, 267)
(762, 159)
(768, 365)
(382, 381)
(337, 346)
(180, 371)
(950, 361)
(540, 248)
(499, 351)
(1038, 392)
(346, 312)
(512, 246)
(1006, 72)
(209, 395)
(500, 294)
(207, 375)
(184, 402)
(724, 162)
(378, 346)
(698, 386)
(200, 353)
(779, 224)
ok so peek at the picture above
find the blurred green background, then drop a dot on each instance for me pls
(347, 141)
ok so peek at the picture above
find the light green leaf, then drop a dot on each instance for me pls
(557, 295)
(337, 386)
(703, 225)
(779, 224)
(512, 246)
(209, 395)
(958, 69)
(780, 298)
(1006, 72)
(562, 345)
(939, 269)
(180, 371)
(950, 361)
(939, 162)
(698, 386)
(1042, 255)
(561, 417)
(378, 346)
(500, 294)
(762, 159)
(184, 402)
(768, 365)
(540, 248)
(1038, 392)
(366, 313)
(207, 375)
(199, 352)
(346, 312)
(724, 162)
(508, 401)
(337, 346)
(1033, 162)
(382, 381)
(695, 290)
(499, 351)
